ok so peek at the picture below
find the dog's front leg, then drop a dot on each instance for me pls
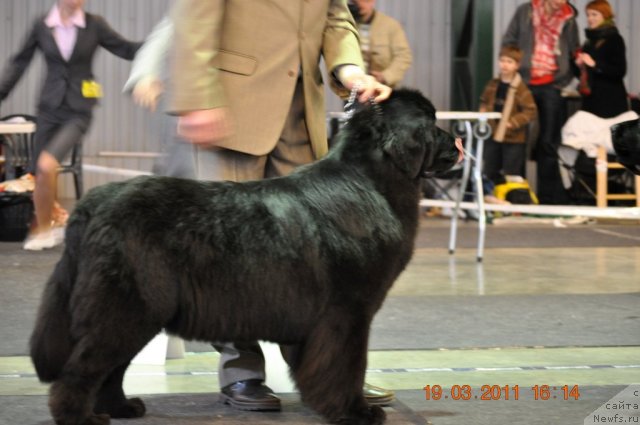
(70, 401)
(112, 400)
(330, 367)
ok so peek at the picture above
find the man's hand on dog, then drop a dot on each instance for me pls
(368, 87)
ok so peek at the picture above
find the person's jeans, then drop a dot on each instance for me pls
(552, 114)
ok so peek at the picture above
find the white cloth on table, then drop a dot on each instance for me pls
(586, 131)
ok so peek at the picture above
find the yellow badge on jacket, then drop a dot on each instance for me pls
(91, 89)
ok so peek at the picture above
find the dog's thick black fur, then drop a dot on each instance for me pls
(305, 259)
(626, 142)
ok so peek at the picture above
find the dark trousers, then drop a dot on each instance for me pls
(552, 114)
(503, 159)
(244, 360)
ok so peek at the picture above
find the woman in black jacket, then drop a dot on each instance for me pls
(68, 37)
(601, 64)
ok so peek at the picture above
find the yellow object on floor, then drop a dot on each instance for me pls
(503, 191)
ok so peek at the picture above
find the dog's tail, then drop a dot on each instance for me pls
(51, 343)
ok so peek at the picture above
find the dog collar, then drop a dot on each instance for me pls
(351, 104)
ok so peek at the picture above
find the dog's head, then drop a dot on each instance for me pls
(404, 127)
(626, 142)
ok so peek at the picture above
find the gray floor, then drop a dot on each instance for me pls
(410, 408)
(548, 305)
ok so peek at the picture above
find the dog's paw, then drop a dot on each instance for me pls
(101, 419)
(133, 408)
(95, 419)
(377, 415)
(372, 415)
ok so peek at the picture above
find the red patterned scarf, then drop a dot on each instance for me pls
(547, 31)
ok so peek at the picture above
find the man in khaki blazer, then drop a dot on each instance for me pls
(385, 48)
(246, 82)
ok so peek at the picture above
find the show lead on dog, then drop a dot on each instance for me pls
(246, 82)
(68, 38)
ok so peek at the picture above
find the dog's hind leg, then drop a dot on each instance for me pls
(94, 371)
(329, 369)
(112, 400)
(71, 396)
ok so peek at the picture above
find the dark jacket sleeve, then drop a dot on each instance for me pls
(512, 35)
(613, 64)
(568, 44)
(114, 42)
(18, 63)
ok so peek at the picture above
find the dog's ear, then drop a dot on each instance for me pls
(406, 148)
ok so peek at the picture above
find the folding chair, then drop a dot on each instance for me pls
(18, 147)
(21, 151)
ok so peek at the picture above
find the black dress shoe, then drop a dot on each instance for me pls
(251, 394)
(377, 396)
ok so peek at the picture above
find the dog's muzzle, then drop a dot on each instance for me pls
(444, 153)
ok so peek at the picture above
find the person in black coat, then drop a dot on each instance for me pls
(68, 37)
(601, 64)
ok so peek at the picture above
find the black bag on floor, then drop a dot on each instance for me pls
(16, 212)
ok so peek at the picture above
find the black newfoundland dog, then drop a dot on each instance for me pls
(626, 142)
(305, 260)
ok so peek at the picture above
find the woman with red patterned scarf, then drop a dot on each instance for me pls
(547, 33)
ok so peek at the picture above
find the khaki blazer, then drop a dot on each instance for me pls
(247, 55)
(390, 50)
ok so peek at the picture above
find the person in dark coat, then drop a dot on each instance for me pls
(68, 38)
(601, 64)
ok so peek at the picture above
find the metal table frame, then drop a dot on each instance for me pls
(470, 125)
